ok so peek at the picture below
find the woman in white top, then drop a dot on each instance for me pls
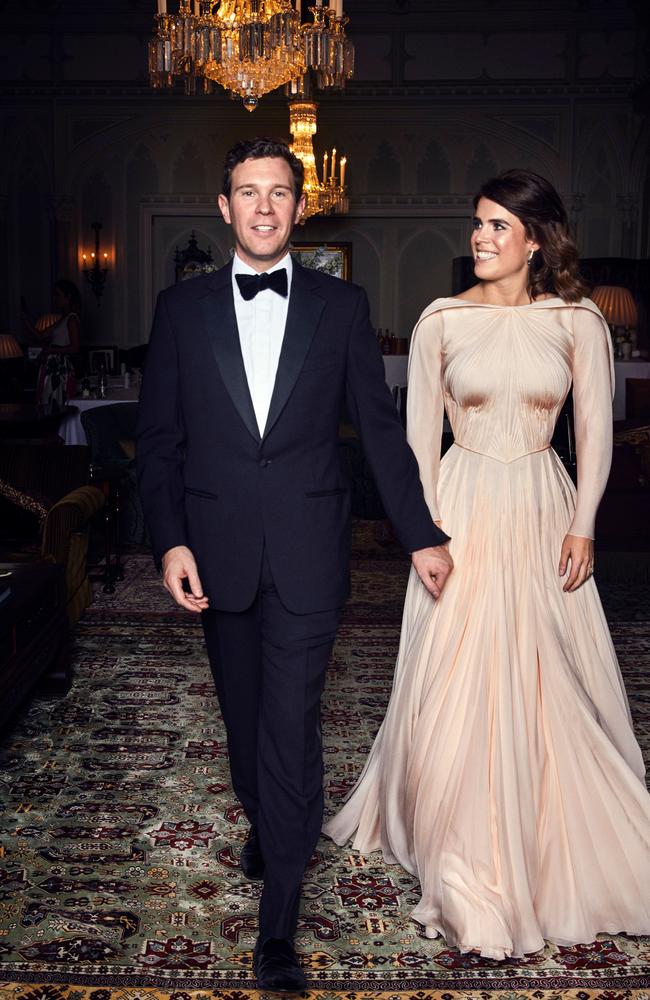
(56, 377)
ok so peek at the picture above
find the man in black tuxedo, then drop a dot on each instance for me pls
(249, 511)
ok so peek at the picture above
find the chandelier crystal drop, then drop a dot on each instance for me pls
(328, 195)
(249, 47)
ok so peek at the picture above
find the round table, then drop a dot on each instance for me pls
(71, 429)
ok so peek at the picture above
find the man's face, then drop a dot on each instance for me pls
(262, 210)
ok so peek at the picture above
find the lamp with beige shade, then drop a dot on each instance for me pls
(45, 323)
(11, 369)
(619, 309)
(9, 347)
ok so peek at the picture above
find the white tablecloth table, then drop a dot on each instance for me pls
(71, 428)
(624, 370)
(395, 368)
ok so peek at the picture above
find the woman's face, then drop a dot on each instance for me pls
(499, 242)
(60, 301)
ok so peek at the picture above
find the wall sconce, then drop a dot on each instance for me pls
(619, 309)
(95, 266)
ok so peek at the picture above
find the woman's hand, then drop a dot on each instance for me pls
(579, 552)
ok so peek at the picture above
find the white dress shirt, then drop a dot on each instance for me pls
(261, 322)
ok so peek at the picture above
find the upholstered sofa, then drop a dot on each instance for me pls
(47, 486)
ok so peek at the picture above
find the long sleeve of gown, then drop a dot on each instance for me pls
(593, 381)
(425, 403)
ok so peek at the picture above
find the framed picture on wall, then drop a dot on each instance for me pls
(332, 258)
(106, 357)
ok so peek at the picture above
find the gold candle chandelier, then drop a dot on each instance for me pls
(249, 47)
(329, 194)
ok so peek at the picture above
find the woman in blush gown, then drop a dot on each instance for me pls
(506, 774)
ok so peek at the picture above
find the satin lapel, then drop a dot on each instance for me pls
(303, 315)
(221, 327)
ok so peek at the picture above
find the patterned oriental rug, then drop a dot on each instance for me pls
(120, 835)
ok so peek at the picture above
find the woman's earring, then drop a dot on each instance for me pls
(530, 257)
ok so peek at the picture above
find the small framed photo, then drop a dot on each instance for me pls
(105, 357)
(332, 258)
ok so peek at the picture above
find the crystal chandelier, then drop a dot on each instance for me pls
(249, 47)
(329, 194)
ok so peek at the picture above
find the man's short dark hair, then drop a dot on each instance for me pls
(257, 149)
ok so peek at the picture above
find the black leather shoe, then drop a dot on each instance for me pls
(251, 861)
(276, 966)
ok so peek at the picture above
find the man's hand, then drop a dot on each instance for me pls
(179, 564)
(579, 552)
(433, 566)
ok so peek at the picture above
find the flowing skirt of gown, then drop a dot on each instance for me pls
(506, 774)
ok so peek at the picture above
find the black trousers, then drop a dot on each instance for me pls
(269, 670)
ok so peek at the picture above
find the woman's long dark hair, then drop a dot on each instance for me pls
(71, 292)
(554, 267)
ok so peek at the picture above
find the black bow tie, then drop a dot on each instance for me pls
(251, 284)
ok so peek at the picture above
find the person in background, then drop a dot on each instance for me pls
(62, 333)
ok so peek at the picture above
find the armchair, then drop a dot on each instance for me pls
(49, 485)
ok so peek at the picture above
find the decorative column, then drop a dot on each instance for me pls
(576, 207)
(64, 256)
(626, 205)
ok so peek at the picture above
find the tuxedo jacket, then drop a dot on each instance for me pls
(209, 480)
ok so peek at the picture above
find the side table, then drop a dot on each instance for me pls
(33, 633)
